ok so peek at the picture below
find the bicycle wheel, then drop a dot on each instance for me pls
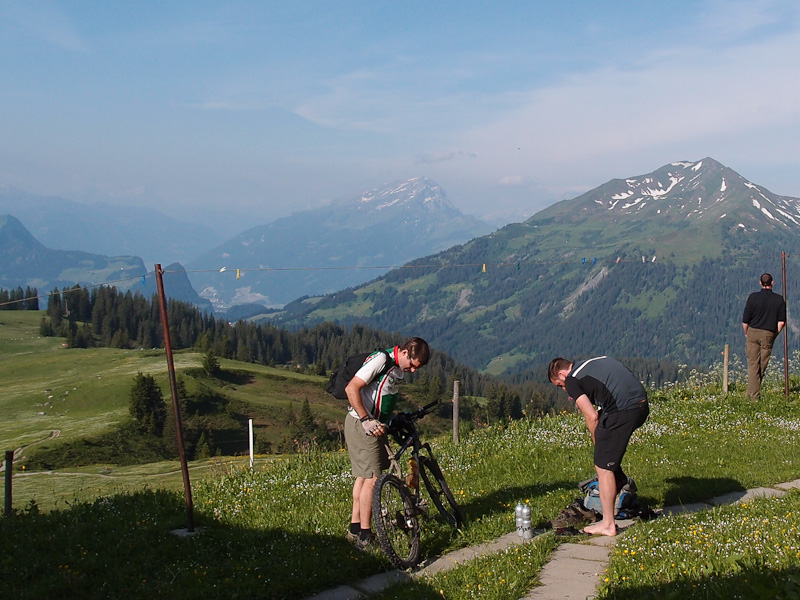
(396, 522)
(439, 491)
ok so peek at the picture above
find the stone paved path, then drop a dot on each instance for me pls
(573, 571)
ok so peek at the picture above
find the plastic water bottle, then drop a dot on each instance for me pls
(518, 516)
(527, 525)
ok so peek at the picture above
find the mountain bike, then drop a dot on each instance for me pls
(396, 501)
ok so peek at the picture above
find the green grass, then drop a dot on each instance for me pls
(81, 394)
(277, 531)
(750, 550)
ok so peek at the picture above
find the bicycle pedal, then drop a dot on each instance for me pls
(423, 508)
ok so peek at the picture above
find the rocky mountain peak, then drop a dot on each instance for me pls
(697, 191)
(419, 192)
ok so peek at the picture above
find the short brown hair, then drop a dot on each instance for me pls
(556, 365)
(766, 280)
(417, 350)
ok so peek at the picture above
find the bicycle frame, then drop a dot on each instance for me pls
(412, 441)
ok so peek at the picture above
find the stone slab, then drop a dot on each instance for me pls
(589, 552)
(568, 578)
(343, 592)
(602, 540)
(682, 509)
(378, 582)
(789, 485)
(746, 496)
(453, 559)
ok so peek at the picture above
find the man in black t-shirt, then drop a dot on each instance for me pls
(763, 319)
(613, 403)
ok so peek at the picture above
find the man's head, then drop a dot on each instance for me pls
(413, 354)
(766, 280)
(558, 370)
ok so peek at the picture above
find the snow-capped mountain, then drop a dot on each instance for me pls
(334, 247)
(703, 191)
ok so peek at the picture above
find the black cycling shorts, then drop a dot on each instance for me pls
(614, 431)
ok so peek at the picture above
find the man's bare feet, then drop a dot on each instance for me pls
(601, 528)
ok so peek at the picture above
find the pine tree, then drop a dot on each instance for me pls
(211, 364)
(146, 404)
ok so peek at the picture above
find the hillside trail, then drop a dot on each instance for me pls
(574, 569)
(18, 451)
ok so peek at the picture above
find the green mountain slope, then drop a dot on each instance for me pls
(654, 266)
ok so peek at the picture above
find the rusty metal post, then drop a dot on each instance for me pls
(9, 469)
(456, 384)
(173, 386)
(785, 334)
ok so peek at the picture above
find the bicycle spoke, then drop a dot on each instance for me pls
(396, 524)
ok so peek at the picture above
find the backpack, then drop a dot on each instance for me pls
(626, 503)
(346, 371)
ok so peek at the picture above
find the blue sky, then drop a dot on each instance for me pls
(250, 110)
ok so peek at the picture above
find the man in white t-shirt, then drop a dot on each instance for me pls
(372, 400)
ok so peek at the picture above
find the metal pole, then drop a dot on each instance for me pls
(725, 368)
(785, 335)
(173, 386)
(9, 468)
(455, 411)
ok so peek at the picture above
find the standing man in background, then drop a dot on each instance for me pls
(763, 319)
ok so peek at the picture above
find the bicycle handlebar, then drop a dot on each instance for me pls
(401, 422)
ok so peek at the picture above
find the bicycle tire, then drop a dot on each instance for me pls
(396, 521)
(438, 489)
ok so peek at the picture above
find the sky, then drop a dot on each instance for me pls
(243, 112)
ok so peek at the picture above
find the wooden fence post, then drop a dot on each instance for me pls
(9, 469)
(725, 368)
(455, 411)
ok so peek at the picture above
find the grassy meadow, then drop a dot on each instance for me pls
(277, 530)
(53, 395)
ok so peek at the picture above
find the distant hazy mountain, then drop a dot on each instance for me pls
(25, 262)
(334, 247)
(654, 266)
(176, 285)
(107, 229)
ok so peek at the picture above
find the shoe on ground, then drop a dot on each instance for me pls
(351, 537)
(572, 515)
(364, 545)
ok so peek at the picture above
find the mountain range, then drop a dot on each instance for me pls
(652, 266)
(28, 263)
(101, 228)
(326, 249)
(310, 252)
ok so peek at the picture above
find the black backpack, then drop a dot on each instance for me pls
(342, 375)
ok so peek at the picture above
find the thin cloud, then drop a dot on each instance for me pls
(438, 157)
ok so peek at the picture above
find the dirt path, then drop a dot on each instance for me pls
(18, 452)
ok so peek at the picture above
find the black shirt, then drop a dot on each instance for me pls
(764, 309)
(608, 383)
